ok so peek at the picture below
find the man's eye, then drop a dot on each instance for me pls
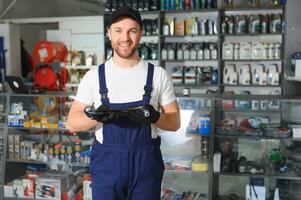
(118, 31)
(134, 32)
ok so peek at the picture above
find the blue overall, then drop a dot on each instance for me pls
(128, 164)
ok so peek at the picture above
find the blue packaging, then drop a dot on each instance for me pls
(204, 125)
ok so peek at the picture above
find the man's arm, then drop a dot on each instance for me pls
(77, 119)
(170, 117)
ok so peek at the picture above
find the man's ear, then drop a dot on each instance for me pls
(108, 34)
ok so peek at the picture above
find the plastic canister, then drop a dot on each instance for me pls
(204, 125)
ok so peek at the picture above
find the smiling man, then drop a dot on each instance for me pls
(133, 99)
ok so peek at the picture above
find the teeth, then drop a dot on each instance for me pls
(125, 44)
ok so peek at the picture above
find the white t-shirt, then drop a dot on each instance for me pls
(126, 85)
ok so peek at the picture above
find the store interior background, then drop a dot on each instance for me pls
(31, 33)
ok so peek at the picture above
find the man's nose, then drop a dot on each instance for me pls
(125, 35)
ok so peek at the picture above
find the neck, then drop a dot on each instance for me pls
(126, 62)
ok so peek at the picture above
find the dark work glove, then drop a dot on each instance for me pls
(145, 115)
(101, 114)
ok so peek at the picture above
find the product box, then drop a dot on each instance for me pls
(48, 188)
(13, 120)
(8, 190)
(179, 27)
(28, 187)
(17, 146)
(18, 188)
(11, 149)
(87, 189)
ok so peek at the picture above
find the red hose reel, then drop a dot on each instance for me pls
(46, 76)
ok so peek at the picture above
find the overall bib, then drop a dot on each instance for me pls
(128, 164)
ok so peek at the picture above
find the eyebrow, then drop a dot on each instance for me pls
(134, 28)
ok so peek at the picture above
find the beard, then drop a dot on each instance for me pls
(124, 54)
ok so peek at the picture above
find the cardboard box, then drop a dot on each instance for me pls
(18, 188)
(87, 190)
(48, 188)
(28, 187)
(8, 190)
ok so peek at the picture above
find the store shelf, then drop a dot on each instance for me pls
(239, 135)
(237, 110)
(27, 161)
(251, 85)
(253, 60)
(46, 94)
(188, 172)
(49, 129)
(207, 10)
(252, 34)
(141, 12)
(204, 60)
(252, 9)
(81, 67)
(188, 36)
(195, 85)
(59, 162)
(287, 175)
(293, 78)
(70, 85)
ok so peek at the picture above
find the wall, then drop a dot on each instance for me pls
(53, 8)
(11, 34)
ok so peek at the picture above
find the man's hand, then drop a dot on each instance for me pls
(101, 114)
(146, 115)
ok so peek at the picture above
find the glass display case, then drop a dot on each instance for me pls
(257, 148)
(186, 152)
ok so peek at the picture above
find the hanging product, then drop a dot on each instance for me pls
(46, 76)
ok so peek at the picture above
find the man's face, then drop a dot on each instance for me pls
(125, 35)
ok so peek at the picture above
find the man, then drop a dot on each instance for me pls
(126, 161)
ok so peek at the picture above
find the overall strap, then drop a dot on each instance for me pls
(149, 84)
(103, 90)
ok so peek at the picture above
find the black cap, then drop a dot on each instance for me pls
(125, 12)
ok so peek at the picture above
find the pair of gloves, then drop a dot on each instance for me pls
(146, 114)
